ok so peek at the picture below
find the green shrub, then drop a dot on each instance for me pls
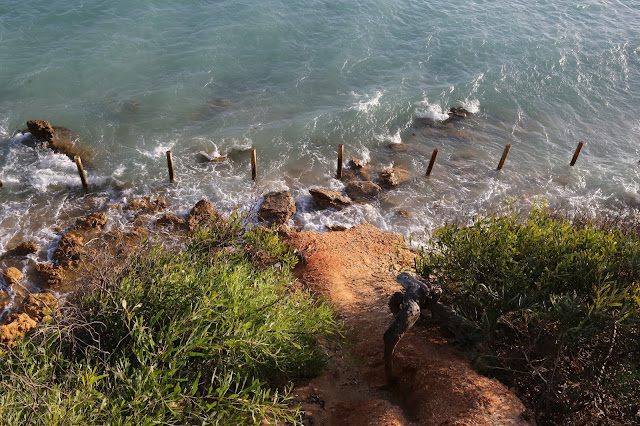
(201, 336)
(558, 309)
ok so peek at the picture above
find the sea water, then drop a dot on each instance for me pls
(295, 79)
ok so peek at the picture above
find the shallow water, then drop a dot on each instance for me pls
(295, 79)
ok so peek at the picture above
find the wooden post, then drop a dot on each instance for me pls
(83, 177)
(575, 154)
(254, 164)
(0, 182)
(172, 177)
(432, 161)
(340, 154)
(504, 156)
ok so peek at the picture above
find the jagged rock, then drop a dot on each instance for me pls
(59, 139)
(12, 275)
(360, 170)
(170, 220)
(458, 113)
(277, 208)
(40, 305)
(325, 199)
(4, 300)
(50, 274)
(404, 213)
(23, 249)
(336, 228)
(17, 326)
(69, 249)
(41, 130)
(93, 221)
(146, 205)
(394, 176)
(201, 214)
(362, 191)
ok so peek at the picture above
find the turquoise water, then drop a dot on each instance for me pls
(295, 79)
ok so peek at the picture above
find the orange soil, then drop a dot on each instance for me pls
(436, 385)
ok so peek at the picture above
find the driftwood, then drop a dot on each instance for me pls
(406, 308)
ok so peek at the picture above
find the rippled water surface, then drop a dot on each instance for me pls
(295, 79)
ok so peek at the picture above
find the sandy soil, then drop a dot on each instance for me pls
(355, 270)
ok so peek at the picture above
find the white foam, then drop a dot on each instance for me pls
(471, 105)
(433, 112)
(367, 104)
(159, 150)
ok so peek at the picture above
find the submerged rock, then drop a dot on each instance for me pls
(363, 191)
(59, 139)
(5, 299)
(458, 113)
(146, 205)
(325, 199)
(277, 208)
(394, 176)
(170, 220)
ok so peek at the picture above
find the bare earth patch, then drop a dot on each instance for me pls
(356, 270)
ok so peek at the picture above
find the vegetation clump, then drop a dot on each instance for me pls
(211, 334)
(557, 310)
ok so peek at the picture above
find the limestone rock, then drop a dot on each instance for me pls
(69, 249)
(359, 170)
(50, 274)
(12, 275)
(201, 214)
(170, 220)
(394, 176)
(362, 191)
(40, 305)
(23, 249)
(41, 130)
(399, 147)
(458, 113)
(336, 228)
(146, 205)
(17, 326)
(4, 300)
(277, 208)
(93, 221)
(325, 199)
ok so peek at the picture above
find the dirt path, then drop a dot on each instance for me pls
(436, 384)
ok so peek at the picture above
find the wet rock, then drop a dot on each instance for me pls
(458, 113)
(277, 208)
(12, 275)
(51, 275)
(41, 130)
(362, 170)
(394, 176)
(24, 249)
(69, 249)
(399, 147)
(202, 214)
(170, 220)
(93, 221)
(146, 205)
(17, 326)
(204, 157)
(363, 191)
(59, 139)
(336, 228)
(4, 300)
(325, 199)
(40, 306)
(404, 213)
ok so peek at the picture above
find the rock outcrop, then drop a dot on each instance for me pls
(202, 214)
(24, 249)
(363, 191)
(326, 199)
(12, 275)
(393, 176)
(40, 306)
(277, 208)
(146, 205)
(17, 326)
(59, 139)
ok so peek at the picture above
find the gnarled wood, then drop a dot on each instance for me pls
(406, 309)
